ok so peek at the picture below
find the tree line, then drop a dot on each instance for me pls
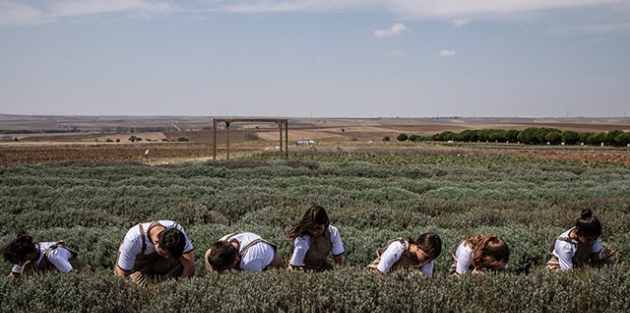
(532, 135)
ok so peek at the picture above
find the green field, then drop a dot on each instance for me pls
(371, 198)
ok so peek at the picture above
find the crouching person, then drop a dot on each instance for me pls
(31, 257)
(242, 251)
(155, 248)
(480, 254)
(408, 254)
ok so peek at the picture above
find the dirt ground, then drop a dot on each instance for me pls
(176, 146)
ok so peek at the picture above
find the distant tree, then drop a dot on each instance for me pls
(622, 139)
(182, 139)
(250, 134)
(343, 130)
(527, 135)
(402, 137)
(554, 137)
(138, 139)
(386, 138)
(414, 138)
(132, 138)
(117, 139)
(570, 137)
(109, 140)
(498, 135)
(512, 135)
(612, 134)
(584, 137)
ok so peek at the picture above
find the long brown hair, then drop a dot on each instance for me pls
(314, 215)
(489, 252)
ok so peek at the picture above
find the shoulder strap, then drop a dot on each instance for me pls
(229, 237)
(144, 243)
(568, 239)
(399, 239)
(62, 244)
(253, 242)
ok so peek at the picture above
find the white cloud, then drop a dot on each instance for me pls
(393, 30)
(39, 11)
(14, 12)
(395, 54)
(412, 8)
(459, 22)
(446, 53)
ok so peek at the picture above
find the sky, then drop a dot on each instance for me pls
(316, 58)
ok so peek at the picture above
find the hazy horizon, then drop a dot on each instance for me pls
(316, 58)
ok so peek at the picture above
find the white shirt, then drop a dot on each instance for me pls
(303, 243)
(565, 251)
(58, 257)
(257, 257)
(393, 253)
(132, 244)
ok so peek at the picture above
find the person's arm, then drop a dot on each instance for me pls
(339, 260)
(427, 269)
(564, 252)
(300, 247)
(599, 254)
(464, 259)
(603, 255)
(188, 261)
(337, 246)
(389, 257)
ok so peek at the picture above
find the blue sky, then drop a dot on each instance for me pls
(319, 58)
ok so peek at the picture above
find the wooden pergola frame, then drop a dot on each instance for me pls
(228, 121)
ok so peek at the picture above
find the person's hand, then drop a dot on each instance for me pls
(606, 254)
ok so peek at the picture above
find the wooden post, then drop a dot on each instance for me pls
(214, 141)
(227, 128)
(280, 128)
(286, 139)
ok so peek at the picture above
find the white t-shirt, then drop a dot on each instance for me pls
(257, 257)
(393, 253)
(464, 257)
(303, 243)
(565, 251)
(58, 257)
(132, 244)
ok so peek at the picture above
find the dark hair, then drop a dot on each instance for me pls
(172, 240)
(314, 215)
(489, 252)
(19, 248)
(222, 254)
(588, 225)
(430, 243)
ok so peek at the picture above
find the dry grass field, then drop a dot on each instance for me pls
(97, 142)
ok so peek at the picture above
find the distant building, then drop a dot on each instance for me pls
(5, 138)
(305, 142)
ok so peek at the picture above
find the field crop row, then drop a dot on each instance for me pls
(91, 208)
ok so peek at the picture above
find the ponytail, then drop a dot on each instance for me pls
(588, 225)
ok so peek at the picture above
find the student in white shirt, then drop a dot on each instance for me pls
(481, 253)
(408, 254)
(242, 251)
(30, 257)
(313, 240)
(579, 245)
(155, 248)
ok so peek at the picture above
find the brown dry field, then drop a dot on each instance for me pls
(91, 147)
